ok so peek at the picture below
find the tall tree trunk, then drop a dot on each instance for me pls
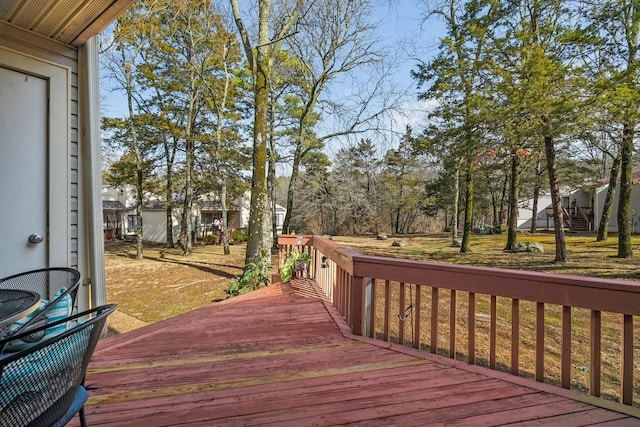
(256, 251)
(225, 217)
(185, 233)
(271, 176)
(556, 200)
(514, 190)
(169, 209)
(258, 247)
(503, 198)
(169, 219)
(468, 209)
(456, 203)
(137, 154)
(624, 201)
(139, 201)
(494, 211)
(603, 225)
(170, 155)
(536, 197)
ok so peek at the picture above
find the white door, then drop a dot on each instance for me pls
(23, 172)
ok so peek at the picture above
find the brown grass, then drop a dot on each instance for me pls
(165, 283)
(585, 256)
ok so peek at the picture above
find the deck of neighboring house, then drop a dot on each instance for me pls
(283, 356)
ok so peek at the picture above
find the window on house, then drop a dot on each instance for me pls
(206, 218)
(132, 223)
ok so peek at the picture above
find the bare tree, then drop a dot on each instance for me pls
(335, 38)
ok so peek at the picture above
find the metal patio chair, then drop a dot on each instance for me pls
(47, 282)
(44, 385)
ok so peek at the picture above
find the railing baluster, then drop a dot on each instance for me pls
(434, 320)
(345, 295)
(493, 332)
(515, 336)
(472, 328)
(540, 341)
(350, 295)
(401, 315)
(338, 292)
(566, 347)
(596, 356)
(627, 359)
(417, 310)
(357, 307)
(452, 325)
(372, 320)
(387, 309)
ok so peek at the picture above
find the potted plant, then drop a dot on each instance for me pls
(296, 261)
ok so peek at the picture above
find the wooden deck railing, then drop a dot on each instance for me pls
(552, 322)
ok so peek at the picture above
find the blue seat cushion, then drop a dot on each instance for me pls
(78, 402)
(29, 384)
(61, 310)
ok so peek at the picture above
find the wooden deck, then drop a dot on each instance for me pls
(281, 356)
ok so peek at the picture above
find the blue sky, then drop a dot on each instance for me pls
(401, 27)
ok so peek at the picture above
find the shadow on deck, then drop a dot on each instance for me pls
(282, 356)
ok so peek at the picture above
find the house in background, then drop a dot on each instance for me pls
(526, 214)
(114, 205)
(593, 197)
(50, 138)
(119, 205)
(577, 212)
(281, 212)
(583, 208)
(120, 220)
(113, 219)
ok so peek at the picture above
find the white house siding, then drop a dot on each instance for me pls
(244, 207)
(154, 227)
(525, 213)
(601, 194)
(51, 52)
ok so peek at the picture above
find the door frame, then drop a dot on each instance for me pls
(58, 147)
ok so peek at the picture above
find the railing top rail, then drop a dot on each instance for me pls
(619, 296)
(340, 255)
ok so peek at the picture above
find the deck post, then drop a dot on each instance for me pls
(357, 305)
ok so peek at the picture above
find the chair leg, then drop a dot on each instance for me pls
(83, 420)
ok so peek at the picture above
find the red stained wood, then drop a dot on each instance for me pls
(540, 341)
(283, 358)
(493, 330)
(515, 336)
(566, 347)
(472, 328)
(452, 325)
(596, 354)
(434, 320)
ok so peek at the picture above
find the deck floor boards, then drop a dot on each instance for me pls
(282, 357)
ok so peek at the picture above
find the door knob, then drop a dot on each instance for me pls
(35, 238)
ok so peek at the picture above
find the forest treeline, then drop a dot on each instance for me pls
(524, 98)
